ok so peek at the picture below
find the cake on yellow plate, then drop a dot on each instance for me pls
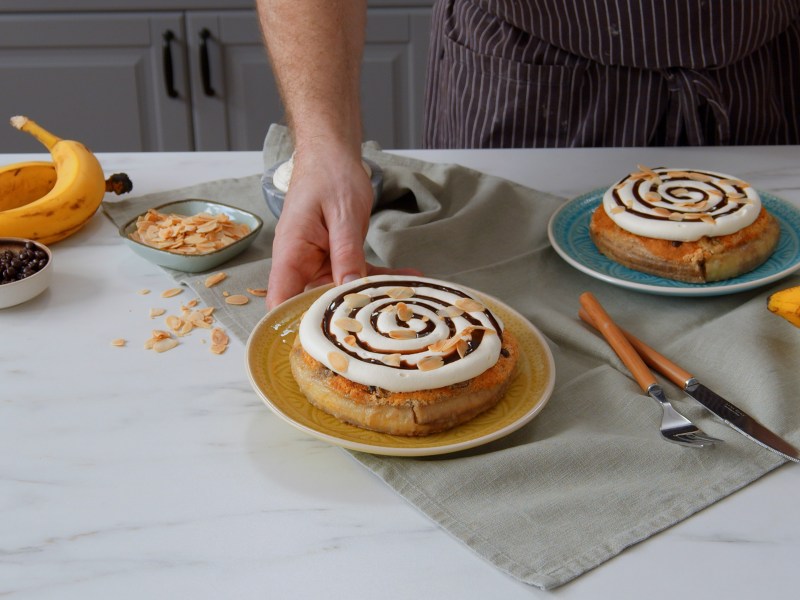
(684, 224)
(402, 355)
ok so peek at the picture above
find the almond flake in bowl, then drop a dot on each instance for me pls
(191, 235)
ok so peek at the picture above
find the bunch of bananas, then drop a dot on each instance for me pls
(786, 304)
(49, 201)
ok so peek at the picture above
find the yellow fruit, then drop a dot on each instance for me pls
(22, 183)
(786, 304)
(49, 205)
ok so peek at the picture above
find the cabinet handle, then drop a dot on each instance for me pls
(205, 66)
(169, 76)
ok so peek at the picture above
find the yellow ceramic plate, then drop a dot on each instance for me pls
(268, 367)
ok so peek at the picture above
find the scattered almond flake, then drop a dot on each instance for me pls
(156, 312)
(165, 344)
(186, 328)
(356, 300)
(348, 324)
(350, 340)
(226, 293)
(207, 311)
(429, 363)
(174, 323)
(119, 342)
(404, 313)
(219, 337)
(237, 299)
(217, 349)
(450, 312)
(402, 334)
(469, 305)
(400, 293)
(393, 360)
(144, 292)
(160, 334)
(214, 279)
(171, 292)
(260, 292)
(338, 361)
(617, 209)
(190, 304)
(181, 234)
(148, 345)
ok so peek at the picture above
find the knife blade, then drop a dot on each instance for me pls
(731, 415)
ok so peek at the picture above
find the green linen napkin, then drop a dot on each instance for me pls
(590, 475)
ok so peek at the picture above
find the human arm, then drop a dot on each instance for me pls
(315, 47)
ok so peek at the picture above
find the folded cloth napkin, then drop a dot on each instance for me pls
(590, 475)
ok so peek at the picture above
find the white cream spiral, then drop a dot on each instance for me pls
(681, 204)
(402, 333)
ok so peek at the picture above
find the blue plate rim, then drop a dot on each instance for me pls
(761, 276)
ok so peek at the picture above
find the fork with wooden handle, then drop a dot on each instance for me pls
(674, 426)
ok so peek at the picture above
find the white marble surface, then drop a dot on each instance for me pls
(127, 474)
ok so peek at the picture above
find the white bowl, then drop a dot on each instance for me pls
(23, 290)
(194, 263)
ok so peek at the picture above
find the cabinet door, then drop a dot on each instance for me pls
(393, 76)
(97, 78)
(235, 97)
(234, 105)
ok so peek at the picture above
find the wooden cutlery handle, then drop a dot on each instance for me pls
(617, 340)
(651, 357)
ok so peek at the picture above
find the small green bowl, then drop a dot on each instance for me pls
(194, 263)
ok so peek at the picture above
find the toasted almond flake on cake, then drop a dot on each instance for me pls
(429, 363)
(404, 313)
(356, 300)
(338, 361)
(400, 293)
(469, 305)
(348, 324)
(393, 360)
(450, 312)
(402, 334)
(617, 209)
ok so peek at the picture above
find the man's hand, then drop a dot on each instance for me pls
(320, 234)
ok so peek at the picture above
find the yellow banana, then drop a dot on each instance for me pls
(49, 205)
(786, 304)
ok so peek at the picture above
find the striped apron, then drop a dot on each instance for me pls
(568, 73)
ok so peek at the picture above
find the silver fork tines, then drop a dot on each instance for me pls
(675, 427)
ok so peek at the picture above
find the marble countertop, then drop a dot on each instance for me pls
(130, 474)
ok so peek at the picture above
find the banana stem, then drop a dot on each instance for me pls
(44, 136)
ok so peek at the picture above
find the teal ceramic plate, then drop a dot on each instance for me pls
(568, 231)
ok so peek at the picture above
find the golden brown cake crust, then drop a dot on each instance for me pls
(404, 413)
(706, 260)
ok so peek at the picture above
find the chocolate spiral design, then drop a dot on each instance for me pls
(681, 204)
(402, 333)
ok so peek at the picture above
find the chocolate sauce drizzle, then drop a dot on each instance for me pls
(431, 303)
(718, 204)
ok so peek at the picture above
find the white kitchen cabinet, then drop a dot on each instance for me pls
(184, 75)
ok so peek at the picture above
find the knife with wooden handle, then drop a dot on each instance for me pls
(730, 414)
